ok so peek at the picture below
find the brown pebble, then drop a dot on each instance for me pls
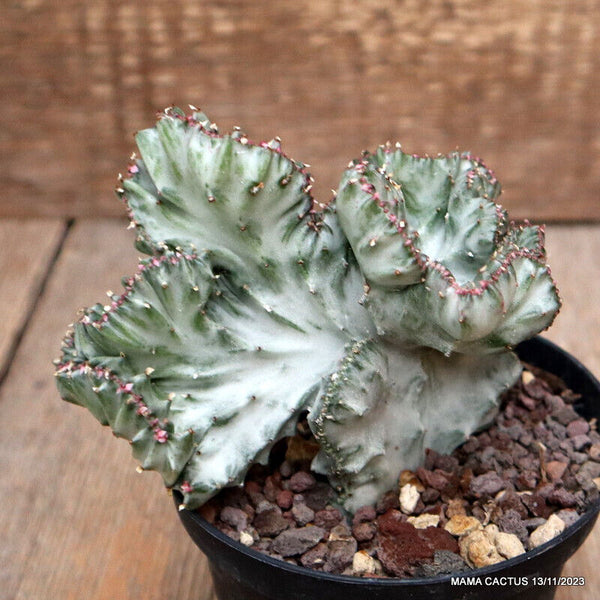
(555, 469)
(536, 504)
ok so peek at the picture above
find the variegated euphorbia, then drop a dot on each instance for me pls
(389, 319)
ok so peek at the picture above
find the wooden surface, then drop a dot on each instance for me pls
(515, 82)
(77, 521)
(33, 244)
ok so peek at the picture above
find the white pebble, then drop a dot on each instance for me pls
(424, 521)
(409, 496)
(363, 564)
(544, 533)
(246, 538)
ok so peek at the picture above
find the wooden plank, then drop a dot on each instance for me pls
(28, 247)
(81, 523)
(571, 254)
(515, 82)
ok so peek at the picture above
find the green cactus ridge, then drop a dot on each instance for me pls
(386, 318)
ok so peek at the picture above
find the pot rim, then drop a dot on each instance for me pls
(589, 515)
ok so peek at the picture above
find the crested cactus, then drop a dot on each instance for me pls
(388, 316)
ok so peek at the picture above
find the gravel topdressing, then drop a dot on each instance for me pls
(506, 490)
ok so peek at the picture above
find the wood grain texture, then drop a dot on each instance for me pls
(571, 252)
(516, 82)
(81, 523)
(28, 248)
(78, 522)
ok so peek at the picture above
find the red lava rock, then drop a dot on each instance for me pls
(387, 502)
(471, 445)
(439, 539)
(566, 415)
(302, 514)
(301, 482)
(447, 463)
(271, 489)
(465, 479)
(528, 402)
(365, 531)
(297, 541)
(527, 480)
(536, 505)
(269, 521)
(429, 495)
(555, 469)
(318, 497)
(538, 444)
(364, 513)
(402, 546)
(581, 441)
(234, 517)
(487, 484)
(328, 518)
(252, 487)
(209, 512)
(435, 479)
(511, 522)
(286, 470)
(285, 499)
(537, 389)
(510, 500)
(577, 427)
(339, 555)
(315, 557)
(399, 554)
(562, 497)
(254, 492)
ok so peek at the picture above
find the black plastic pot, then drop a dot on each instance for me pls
(240, 573)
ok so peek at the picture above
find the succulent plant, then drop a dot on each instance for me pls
(387, 316)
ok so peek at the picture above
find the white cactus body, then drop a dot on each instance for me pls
(252, 309)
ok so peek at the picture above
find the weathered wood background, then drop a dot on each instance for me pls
(515, 82)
